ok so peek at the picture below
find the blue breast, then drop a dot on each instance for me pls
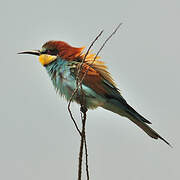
(60, 74)
(64, 81)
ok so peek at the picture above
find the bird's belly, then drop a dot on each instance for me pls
(92, 99)
(66, 88)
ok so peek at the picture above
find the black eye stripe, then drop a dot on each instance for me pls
(50, 52)
(43, 52)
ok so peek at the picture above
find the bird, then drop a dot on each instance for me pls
(62, 62)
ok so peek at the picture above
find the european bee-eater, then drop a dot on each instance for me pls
(62, 62)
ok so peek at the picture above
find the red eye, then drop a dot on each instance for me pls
(48, 51)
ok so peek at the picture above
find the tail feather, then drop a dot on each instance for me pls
(123, 109)
(147, 129)
(136, 114)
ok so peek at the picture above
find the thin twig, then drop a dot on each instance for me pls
(82, 142)
(75, 91)
(69, 109)
(82, 133)
(86, 152)
(110, 36)
(83, 103)
(87, 52)
(80, 83)
(100, 51)
(77, 82)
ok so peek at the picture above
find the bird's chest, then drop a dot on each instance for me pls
(61, 76)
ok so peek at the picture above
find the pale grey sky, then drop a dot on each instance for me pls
(38, 140)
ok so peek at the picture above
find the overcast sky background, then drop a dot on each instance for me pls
(38, 140)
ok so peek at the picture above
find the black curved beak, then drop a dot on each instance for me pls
(32, 52)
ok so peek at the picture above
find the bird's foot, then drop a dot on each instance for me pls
(83, 109)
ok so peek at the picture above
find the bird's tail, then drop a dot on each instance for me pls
(123, 109)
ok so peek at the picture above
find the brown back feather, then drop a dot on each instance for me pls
(99, 66)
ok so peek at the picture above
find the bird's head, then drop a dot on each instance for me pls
(51, 50)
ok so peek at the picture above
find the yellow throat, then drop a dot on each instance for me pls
(45, 59)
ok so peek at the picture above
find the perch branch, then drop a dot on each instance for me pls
(83, 108)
